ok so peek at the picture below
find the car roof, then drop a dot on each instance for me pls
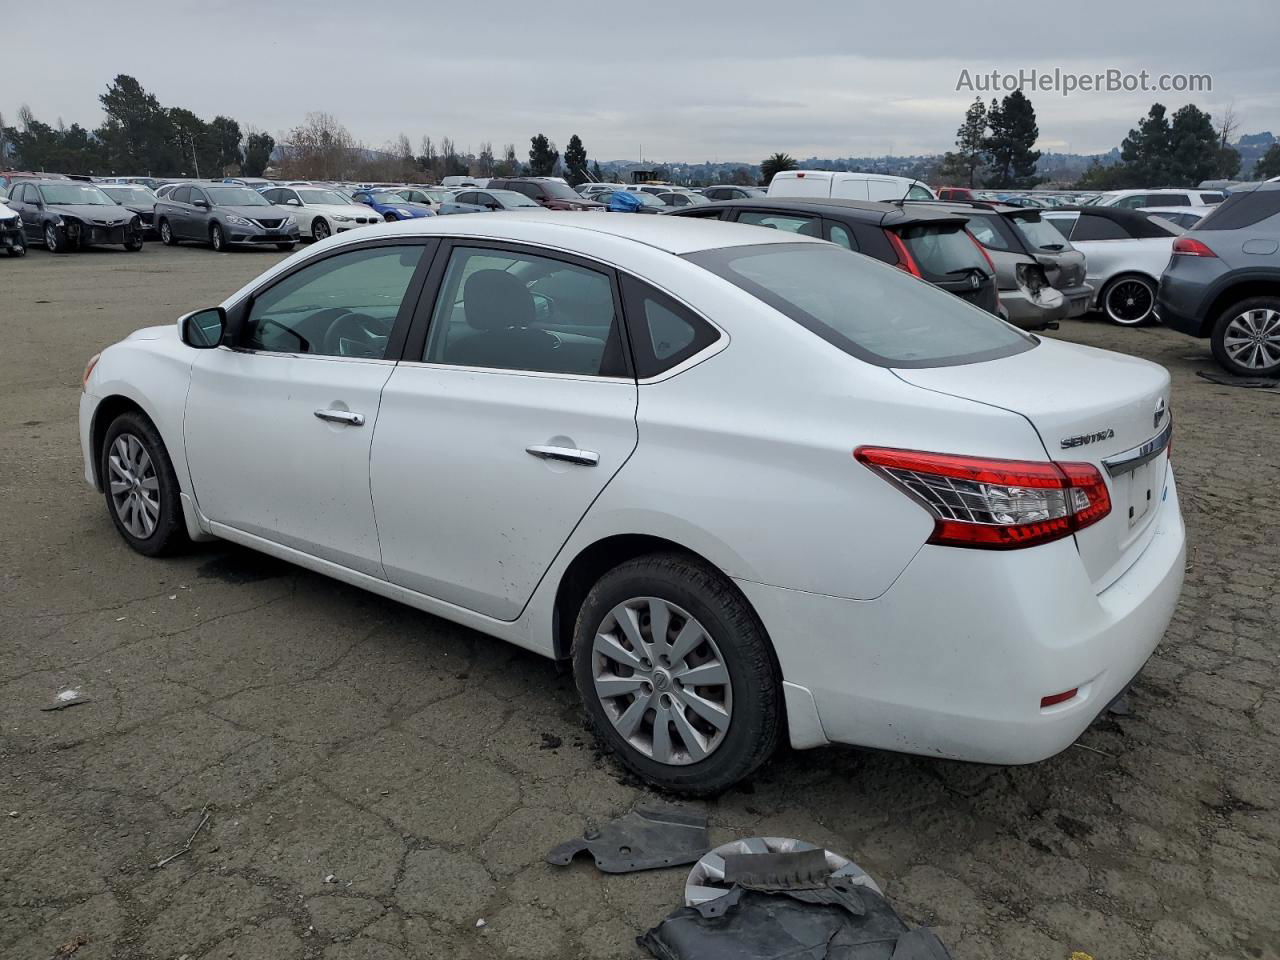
(1137, 222)
(675, 235)
(871, 211)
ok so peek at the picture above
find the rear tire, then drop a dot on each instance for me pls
(1246, 338)
(217, 238)
(141, 489)
(684, 590)
(1130, 300)
(167, 236)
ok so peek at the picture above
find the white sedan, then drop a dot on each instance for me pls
(321, 211)
(752, 485)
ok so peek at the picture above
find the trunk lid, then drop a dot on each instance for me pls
(1088, 406)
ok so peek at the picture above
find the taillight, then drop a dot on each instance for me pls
(1185, 246)
(905, 260)
(994, 504)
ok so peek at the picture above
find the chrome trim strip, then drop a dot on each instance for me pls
(1130, 460)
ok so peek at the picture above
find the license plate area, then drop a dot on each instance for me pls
(1142, 492)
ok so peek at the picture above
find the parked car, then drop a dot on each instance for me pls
(149, 182)
(391, 206)
(253, 183)
(1167, 197)
(12, 239)
(135, 197)
(589, 190)
(321, 212)
(847, 186)
(681, 198)
(630, 365)
(1038, 287)
(548, 192)
(221, 214)
(631, 201)
(929, 244)
(1223, 282)
(425, 196)
(487, 201)
(10, 177)
(732, 192)
(954, 193)
(1125, 252)
(67, 215)
(1184, 217)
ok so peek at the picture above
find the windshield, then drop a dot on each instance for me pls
(868, 309)
(138, 195)
(561, 191)
(1041, 234)
(323, 196)
(943, 253)
(236, 197)
(76, 193)
(509, 198)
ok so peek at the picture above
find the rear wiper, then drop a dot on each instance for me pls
(1052, 246)
(962, 271)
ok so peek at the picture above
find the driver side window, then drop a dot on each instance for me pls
(341, 306)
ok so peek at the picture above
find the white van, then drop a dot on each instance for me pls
(847, 186)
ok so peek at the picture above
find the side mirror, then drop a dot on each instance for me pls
(202, 204)
(203, 329)
(493, 206)
(294, 202)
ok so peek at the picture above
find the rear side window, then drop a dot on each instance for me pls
(868, 309)
(663, 333)
(1098, 228)
(181, 195)
(1209, 199)
(942, 253)
(1167, 200)
(1242, 210)
(809, 226)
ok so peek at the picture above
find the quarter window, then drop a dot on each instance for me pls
(341, 306)
(809, 226)
(663, 333)
(841, 236)
(511, 310)
(1098, 228)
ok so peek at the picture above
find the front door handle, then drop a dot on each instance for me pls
(586, 458)
(342, 416)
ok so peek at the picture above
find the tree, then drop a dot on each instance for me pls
(543, 156)
(774, 164)
(1194, 152)
(1146, 152)
(971, 139)
(1009, 146)
(1269, 165)
(1228, 156)
(596, 173)
(258, 147)
(137, 135)
(575, 161)
(189, 135)
(485, 161)
(224, 138)
(320, 148)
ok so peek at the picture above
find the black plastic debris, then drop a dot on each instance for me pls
(641, 840)
(1227, 380)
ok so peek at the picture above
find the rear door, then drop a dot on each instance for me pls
(514, 407)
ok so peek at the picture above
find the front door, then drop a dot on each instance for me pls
(279, 426)
(495, 436)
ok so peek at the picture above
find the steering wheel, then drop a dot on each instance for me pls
(356, 335)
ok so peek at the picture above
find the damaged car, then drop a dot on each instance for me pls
(70, 215)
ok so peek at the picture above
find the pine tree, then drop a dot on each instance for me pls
(971, 139)
(575, 161)
(1009, 148)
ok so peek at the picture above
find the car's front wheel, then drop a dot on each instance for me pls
(141, 488)
(134, 245)
(1246, 338)
(320, 229)
(390, 217)
(217, 238)
(286, 247)
(54, 241)
(677, 674)
(18, 251)
(1130, 300)
(166, 234)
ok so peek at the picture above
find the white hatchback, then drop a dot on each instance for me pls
(756, 487)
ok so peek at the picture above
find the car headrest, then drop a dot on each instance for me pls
(495, 300)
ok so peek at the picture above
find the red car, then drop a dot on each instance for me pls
(546, 192)
(954, 193)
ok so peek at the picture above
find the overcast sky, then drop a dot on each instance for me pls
(682, 81)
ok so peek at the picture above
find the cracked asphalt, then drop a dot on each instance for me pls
(377, 780)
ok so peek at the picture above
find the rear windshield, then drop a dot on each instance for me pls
(1242, 210)
(1041, 234)
(943, 253)
(868, 309)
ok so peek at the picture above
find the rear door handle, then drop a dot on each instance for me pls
(342, 416)
(586, 458)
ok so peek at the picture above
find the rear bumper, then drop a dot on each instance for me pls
(1026, 312)
(953, 660)
(1078, 300)
(1182, 304)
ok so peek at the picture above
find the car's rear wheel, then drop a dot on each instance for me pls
(1130, 300)
(141, 488)
(166, 234)
(217, 237)
(320, 229)
(677, 675)
(1246, 338)
(54, 241)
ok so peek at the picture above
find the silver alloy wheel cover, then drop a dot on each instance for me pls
(165, 231)
(322, 233)
(215, 237)
(50, 237)
(706, 878)
(1146, 290)
(134, 486)
(662, 681)
(1252, 338)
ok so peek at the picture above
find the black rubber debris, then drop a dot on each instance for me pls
(641, 840)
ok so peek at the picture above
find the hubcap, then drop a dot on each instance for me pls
(50, 237)
(217, 239)
(1252, 339)
(1130, 301)
(135, 488)
(662, 681)
(321, 230)
(164, 231)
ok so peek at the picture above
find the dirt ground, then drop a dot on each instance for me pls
(377, 780)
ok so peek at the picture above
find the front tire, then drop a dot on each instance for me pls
(54, 241)
(166, 234)
(286, 247)
(1246, 338)
(320, 230)
(134, 245)
(390, 217)
(141, 488)
(1130, 300)
(18, 251)
(677, 675)
(217, 238)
